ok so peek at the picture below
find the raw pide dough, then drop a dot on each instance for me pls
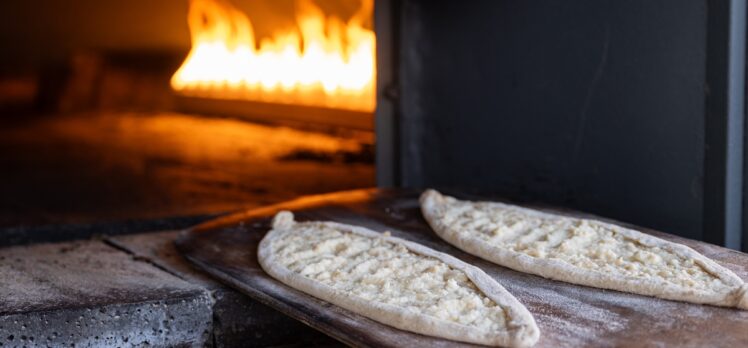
(395, 282)
(582, 251)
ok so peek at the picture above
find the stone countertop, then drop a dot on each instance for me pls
(128, 291)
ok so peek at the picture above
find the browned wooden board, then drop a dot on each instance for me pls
(568, 315)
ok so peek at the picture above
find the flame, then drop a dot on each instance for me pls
(326, 62)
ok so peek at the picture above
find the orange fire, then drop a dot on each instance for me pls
(325, 62)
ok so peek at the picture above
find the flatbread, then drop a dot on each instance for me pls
(395, 282)
(582, 251)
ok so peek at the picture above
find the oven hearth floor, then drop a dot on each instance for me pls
(85, 168)
(130, 290)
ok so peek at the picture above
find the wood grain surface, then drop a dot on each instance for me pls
(568, 315)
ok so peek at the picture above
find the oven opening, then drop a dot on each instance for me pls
(198, 108)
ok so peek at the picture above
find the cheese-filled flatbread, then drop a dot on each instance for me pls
(582, 251)
(395, 282)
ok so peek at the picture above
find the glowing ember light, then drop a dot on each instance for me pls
(327, 62)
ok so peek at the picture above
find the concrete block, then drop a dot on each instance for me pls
(89, 294)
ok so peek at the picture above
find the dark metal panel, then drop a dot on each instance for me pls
(595, 105)
(723, 191)
(386, 25)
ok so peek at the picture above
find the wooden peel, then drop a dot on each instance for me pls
(567, 315)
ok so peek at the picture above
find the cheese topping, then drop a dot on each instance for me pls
(586, 244)
(381, 271)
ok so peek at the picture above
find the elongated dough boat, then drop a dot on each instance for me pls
(582, 251)
(395, 282)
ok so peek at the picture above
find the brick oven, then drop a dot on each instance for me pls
(124, 124)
